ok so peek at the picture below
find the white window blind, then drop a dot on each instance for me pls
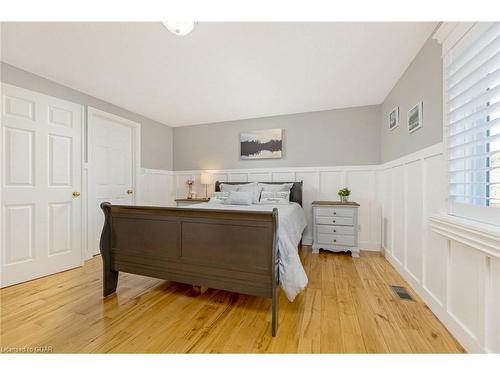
(472, 106)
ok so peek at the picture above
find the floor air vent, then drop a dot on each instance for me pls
(401, 292)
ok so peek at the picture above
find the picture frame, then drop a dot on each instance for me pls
(394, 118)
(261, 144)
(415, 117)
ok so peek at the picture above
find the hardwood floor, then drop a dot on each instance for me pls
(347, 307)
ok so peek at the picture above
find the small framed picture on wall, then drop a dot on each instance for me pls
(394, 118)
(415, 118)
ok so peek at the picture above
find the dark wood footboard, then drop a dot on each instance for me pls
(223, 249)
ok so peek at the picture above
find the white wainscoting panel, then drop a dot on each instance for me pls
(458, 281)
(283, 176)
(435, 249)
(398, 213)
(156, 188)
(414, 207)
(259, 176)
(466, 285)
(494, 311)
(320, 183)
(310, 189)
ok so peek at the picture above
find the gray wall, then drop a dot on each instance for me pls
(422, 81)
(348, 136)
(156, 138)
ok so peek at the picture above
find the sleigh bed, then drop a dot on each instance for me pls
(229, 249)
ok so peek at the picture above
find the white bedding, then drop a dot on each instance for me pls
(292, 223)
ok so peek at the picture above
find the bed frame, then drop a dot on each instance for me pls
(222, 249)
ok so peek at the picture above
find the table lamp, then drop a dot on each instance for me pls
(206, 179)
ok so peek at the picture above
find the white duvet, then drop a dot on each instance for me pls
(292, 223)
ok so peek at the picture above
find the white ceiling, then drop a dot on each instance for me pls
(221, 71)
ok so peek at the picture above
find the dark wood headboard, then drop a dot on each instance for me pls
(295, 192)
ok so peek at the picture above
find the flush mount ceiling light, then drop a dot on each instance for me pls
(180, 28)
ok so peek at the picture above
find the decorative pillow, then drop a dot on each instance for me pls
(254, 188)
(276, 187)
(243, 198)
(275, 197)
(219, 196)
(228, 187)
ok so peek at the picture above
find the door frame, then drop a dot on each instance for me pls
(89, 168)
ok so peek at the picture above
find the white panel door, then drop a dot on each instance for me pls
(41, 169)
(112, 159)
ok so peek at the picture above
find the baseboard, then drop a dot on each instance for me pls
(369, 246)
(468, 341)
(363, 245)
(307, 240)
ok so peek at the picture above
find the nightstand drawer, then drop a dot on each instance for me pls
(334, 220)
(331, 239)
(332, 229)
(334, 211)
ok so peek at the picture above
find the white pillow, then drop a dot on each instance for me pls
(219, 196)
(228, 187)
(276, 187)
(243, 198)
(254, 188)
(275, 197)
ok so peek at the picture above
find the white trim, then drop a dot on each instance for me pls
(341, 168)
(443, 31)
(157, 171)
(482, 237)
(363, 245)
(450, 33)
(424, 153)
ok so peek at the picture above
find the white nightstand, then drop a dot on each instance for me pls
(335, 226)
(188, 202)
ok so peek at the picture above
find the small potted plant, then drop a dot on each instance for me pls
(344, 194)
(189, 183)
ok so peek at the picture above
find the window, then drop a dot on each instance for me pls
(472, 112)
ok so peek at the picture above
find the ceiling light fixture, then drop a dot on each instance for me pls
(180, 28)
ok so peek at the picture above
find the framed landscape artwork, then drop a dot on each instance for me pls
(415, 118)
(394, 118)
(261, 144)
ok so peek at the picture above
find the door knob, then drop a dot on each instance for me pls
(76, 194)
(130, 191)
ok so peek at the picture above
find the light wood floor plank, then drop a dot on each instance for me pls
(347, 307)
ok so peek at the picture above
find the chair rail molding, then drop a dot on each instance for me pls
(481, 237)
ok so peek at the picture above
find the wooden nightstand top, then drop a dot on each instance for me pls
(199, 200)
(335, 203)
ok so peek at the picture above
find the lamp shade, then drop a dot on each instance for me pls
(205, 178)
